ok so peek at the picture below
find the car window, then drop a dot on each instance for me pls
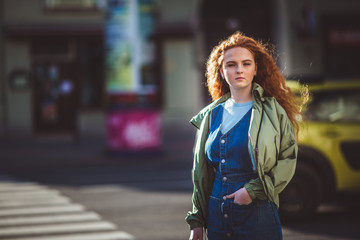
(342, 106)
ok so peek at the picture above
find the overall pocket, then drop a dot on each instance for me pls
(269, 222)
(244, 216)
(214, 213)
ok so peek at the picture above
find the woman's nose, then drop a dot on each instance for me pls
(239, 69)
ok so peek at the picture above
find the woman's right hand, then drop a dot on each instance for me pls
(196, 234)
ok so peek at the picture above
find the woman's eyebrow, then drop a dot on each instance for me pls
(230, 61)
(233, 61)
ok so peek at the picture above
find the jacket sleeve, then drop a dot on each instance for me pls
(280, 175)
(284, 170)
(195, 217)
(255, 189)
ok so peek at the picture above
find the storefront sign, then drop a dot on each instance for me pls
(120, 44)
(134, 130)
(19, 80)
(129, 50)
(344, 37)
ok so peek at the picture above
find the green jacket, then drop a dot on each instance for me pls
(272, 149)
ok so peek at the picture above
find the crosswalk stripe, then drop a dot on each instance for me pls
(42, 210)
(21, 195)
(18, 183)
(30, 211)
(57, 228)
(37, 200)
(30, 196)
(116, 235)
(82, 216)
(21, 187)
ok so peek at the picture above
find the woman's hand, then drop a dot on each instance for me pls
(241, 196)
(196, 234)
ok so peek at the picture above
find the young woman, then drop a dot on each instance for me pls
(245, 152)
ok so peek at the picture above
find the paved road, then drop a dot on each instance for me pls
(144, 196)
(31, 211)
(150, 201)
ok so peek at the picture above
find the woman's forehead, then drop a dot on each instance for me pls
(238, 53)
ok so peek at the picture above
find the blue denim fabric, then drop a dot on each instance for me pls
(228, 153)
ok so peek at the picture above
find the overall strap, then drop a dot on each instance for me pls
(215, 119)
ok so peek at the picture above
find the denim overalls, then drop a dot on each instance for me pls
(228, 153)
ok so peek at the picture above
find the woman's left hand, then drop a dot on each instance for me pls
(241, 196)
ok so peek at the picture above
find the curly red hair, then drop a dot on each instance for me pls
(268, 74)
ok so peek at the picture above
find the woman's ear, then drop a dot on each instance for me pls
(222, 72)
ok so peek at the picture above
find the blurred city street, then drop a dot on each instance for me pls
(95, 98)
(58, 189)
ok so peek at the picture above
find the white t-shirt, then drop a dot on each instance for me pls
(233, 113)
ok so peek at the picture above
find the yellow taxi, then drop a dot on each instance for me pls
(329, 148)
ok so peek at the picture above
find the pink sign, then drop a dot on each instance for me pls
(134, 130)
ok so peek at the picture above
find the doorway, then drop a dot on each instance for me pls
(55, 82)
(54, 97)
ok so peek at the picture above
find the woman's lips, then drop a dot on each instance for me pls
(239, 78)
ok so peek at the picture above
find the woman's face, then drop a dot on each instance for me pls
(238, 69)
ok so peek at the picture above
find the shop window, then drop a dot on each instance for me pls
(91, 61)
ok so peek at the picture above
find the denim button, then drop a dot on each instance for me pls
(222, 141)
(224, 198)
(228, 234)
(224, 179)
(225, 215)
(223, 161)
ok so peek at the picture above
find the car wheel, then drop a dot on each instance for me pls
(302, 196)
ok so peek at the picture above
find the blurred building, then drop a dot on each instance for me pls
(52, 80)
(52, 54)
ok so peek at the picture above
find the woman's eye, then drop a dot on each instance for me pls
(247, 64)
(231, 65)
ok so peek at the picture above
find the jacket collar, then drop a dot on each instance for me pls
(197, 120)
(257, 93)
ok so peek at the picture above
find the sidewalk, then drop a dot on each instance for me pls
(27, 152)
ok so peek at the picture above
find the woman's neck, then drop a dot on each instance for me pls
(241, 97)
